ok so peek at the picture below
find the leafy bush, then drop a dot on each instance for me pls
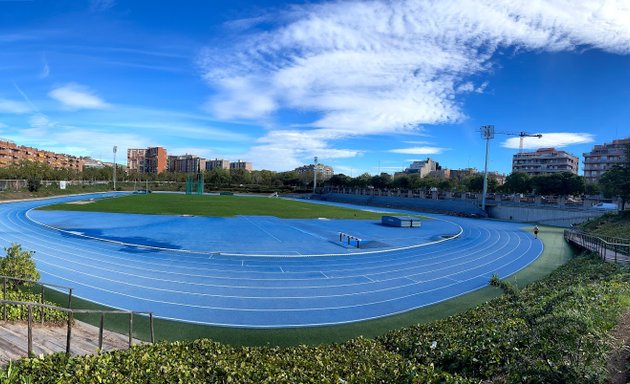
(20, 312)
(33, 184)
(18, 263)
(552, 331)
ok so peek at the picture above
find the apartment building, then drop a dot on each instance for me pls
(11, 153)
(217, 164)
(155, 160)
(239, 164)
(545, 161)
(423, 168)
(324, 172)
(186, 164)
(147, 160)
(135, 159)
(603, 157)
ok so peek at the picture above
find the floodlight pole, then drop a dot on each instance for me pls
(315, 175)
(487, 132)
(115, 149)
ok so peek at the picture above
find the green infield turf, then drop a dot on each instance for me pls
(222, 206)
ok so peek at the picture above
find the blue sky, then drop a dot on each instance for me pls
(366, 86)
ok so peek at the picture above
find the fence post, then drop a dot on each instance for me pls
(42, 308)
(69, 333)
(130, 329)
(4, 297)
(100, 332)
(30, 330)
(69, 298)
(151, 327)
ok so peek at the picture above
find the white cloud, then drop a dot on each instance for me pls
(557, 140)
(287, 149)
(76, 96)
(419, 150)
(374, 67)
(45, 69)
(101, 5)
(10, 106)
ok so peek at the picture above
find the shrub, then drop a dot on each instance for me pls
(18, 263)
(33, 184)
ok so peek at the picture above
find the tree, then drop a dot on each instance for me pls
(401, 181)
(361, 181)
(517, 182)
(475, 183)
(383, 180)
(340, 180)
(18, 263)
(616, 182)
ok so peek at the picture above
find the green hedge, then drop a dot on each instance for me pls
(551, 331)
(20, 312)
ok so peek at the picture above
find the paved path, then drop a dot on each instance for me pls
(50, 339)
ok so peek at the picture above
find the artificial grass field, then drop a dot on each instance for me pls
(221, 206)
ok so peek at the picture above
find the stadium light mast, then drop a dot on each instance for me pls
(115, 149)
(315, 174)
(487, 132)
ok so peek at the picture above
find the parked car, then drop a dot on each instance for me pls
(605, 206)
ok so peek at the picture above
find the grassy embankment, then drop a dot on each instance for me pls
(612, 225)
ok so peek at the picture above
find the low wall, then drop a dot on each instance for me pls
(460, 207)
(560, 217)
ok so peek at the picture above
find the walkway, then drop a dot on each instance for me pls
(51, 339)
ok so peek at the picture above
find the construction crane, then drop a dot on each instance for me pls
(522, 135)
(488, 132)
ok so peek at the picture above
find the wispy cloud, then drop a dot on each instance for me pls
(11, 106)
(419, 150)
(556, 139)
(285, 149)
(101, 5)
(382, 67)
(45, 68)
(76, 96)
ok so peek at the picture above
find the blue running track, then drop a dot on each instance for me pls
(292, 290)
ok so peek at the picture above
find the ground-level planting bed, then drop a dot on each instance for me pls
(222, 206)
(553, 330)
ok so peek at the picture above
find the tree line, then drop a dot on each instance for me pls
(615, 182)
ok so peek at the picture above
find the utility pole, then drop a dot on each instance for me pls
(315, 175)
(115, 149)
(487, 132)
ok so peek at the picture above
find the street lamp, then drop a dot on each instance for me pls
(487, 132)
(115, 149)
(315, 174)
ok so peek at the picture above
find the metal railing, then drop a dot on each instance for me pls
(608, 248)
(7, 280)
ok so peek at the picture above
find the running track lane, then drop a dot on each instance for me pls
(270, 292)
